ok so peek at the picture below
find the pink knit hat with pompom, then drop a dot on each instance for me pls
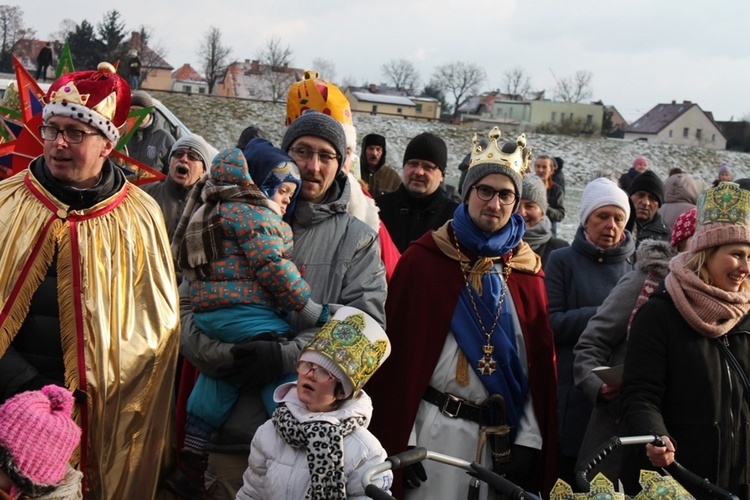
(37, 438)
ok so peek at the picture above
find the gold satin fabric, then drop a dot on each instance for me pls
(120, 331)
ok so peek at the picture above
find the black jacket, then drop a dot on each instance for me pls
(35, 358)
(407, 218)
(677, 383)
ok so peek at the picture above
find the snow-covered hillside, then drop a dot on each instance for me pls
(220, 121)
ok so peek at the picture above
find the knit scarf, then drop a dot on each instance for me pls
(711, 311)
(197, 239)
(509, 380)
(324, 442)
(539, 234)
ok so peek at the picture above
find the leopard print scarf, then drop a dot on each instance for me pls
(324, 443)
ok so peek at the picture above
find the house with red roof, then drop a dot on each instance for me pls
(187, 79)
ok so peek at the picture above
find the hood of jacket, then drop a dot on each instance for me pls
(336, 202)
(356, 406)
(681, 188)
(654, 255)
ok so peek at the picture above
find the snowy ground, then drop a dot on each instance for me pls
(220, 121)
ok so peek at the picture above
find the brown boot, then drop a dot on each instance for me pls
(187, 480)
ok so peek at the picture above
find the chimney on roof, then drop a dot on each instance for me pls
(674, 102)
(373, 88)
(686, 102)
(135, 39)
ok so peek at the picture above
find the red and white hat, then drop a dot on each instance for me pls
(98, 98)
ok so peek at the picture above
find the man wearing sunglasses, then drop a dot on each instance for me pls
(88, 288)
(472, 345)
(188, 160)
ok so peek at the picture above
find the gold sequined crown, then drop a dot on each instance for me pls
(726, 203)
(354, 342)
(516, 160)
(655, 487)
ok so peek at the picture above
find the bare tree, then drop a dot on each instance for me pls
(151, 52)
(460, 79)
(274, 61)
(325, 68)
(67, 26)
(516, 83)
(12, 30)
(213, 56)
(574, 88)
(402, 73)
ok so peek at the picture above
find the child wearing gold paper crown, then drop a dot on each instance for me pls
(317, 445)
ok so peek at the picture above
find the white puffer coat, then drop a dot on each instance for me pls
(278, 471)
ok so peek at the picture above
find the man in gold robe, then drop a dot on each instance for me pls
(88, 298)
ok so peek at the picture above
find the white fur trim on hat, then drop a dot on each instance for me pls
(602, 192)
(84, 115)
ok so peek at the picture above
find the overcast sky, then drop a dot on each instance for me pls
(640, 52)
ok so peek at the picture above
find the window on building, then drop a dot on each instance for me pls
(202, 90)
(399, 110)
(686, 132)
(589, 119)
(186, 88)
(419, 108)
(670, 133)
(698, 133)
(554, 115)
(713, 137)
(510, 113)
(374, 109)
(562, 117)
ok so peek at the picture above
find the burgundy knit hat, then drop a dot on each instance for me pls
(37, 438)
(684, 227)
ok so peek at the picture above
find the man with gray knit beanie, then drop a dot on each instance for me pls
(339, 257)
(188, 160)
(420, 204)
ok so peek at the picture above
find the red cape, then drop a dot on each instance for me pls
(422, 297)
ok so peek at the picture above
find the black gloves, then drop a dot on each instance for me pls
(414, 475)
(256, 362)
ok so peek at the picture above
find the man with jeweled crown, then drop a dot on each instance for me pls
(87, 288)
(472, 372)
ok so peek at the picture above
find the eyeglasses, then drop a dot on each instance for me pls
(70, 135)
(486, 193)
(191, 155)
(305, 154)
(427, 167)
(320, 374)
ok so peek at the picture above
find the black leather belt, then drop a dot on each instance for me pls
(453, 406)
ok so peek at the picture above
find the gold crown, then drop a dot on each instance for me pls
(518, 160)
(655, 486)
(347, 344)
(727, 203)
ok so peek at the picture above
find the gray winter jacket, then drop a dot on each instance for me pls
(339, 257)
(603, 343)
(151, 145)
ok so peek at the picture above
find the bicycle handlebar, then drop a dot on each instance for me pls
(679, 472)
